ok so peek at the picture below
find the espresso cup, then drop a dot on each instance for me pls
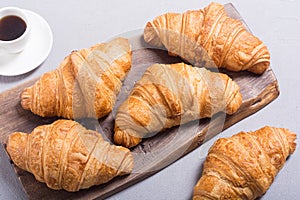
(13, 35)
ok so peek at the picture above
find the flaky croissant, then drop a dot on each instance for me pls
(209, 35)
(244, 165)
(169, 95)
(67, 156)
(84, 85)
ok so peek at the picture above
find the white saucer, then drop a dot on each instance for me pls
(36, 51)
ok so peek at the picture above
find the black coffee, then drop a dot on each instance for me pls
(11, 27)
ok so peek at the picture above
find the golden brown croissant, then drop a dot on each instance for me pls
(169, 95)
(67, 156)
(209, 34)
(244, 165)
(84, 85)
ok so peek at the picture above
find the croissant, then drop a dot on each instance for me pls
(169, 95)
(67, 156)
(209, 36)
(84, 85)
(244, 165)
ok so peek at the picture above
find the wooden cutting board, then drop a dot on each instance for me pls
(153, 154)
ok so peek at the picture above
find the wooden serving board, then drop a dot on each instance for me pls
(154, 153)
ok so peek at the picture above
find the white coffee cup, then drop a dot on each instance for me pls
(18, 44)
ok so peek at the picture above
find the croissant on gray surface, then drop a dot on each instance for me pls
(245, 165)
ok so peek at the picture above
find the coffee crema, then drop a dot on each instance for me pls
(11, 27)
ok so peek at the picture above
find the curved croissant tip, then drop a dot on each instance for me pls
(260, 67)
(26, 99)
(150, 35)
(128, 162)
(124, 139)
(16, 148)
(262, 61)
(291, 136)
(235, 104)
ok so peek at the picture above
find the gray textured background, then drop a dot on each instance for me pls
(78, 24)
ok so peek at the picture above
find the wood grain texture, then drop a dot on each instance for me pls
(154, 153)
